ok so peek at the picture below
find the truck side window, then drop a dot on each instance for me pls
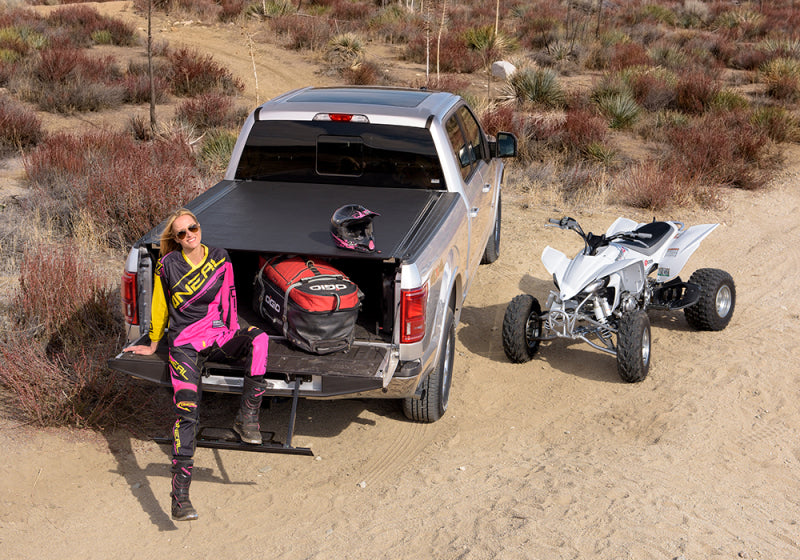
(462, 150)
(472, 131)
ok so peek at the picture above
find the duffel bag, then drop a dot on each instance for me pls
(313, 304)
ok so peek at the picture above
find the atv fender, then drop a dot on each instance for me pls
(621, 224)
(679, 249)
(554, 260)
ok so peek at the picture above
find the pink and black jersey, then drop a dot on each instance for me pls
(198, 300)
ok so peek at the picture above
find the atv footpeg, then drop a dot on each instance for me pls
(676, 295)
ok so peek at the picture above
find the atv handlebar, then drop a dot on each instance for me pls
(594, 242)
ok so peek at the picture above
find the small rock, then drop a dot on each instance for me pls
(362, 484)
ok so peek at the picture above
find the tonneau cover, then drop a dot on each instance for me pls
(295, 218)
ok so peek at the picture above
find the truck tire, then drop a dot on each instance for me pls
(436, 387)
(714, 309)
(492, 250)
(633, 346)
(522, 324)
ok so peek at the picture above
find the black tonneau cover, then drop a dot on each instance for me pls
(295, 218)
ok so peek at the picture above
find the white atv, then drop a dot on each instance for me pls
(606, 290)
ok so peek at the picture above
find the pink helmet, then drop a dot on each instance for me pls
(351, 228)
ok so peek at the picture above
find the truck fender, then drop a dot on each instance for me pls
(682, 245)
(448, 296)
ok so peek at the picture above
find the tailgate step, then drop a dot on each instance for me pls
(226, 438)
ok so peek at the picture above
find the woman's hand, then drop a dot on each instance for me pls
(142, 349)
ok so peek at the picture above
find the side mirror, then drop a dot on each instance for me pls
(504, 145)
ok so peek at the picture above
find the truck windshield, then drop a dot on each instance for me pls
(358, 154)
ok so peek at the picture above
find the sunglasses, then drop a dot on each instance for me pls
(194, 228)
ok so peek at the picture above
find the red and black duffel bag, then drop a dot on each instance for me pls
(312, 303)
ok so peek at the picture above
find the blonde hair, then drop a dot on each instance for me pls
(168, 241)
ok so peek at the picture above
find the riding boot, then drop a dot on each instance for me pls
(182, 509)
(246, 422)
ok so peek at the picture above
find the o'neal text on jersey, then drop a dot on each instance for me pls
(190, 286)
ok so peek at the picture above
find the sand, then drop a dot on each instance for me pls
(553, 459)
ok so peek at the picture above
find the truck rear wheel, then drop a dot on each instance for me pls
(522, 325)
(436, 387)
(492, 250)
(714, 309)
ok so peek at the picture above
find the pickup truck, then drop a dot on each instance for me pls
(418, 158)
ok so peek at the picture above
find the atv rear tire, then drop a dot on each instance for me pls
(633, 346)
(714, 309)
(522, 324)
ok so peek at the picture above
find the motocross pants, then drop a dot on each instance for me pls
(186, 366)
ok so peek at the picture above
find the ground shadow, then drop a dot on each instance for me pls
(317, 419)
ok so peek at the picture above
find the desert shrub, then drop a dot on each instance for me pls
(669, 56)
(20, 127)
(695, 91)
(101, 37)
(657, 13)
(747, 57)
(654, 187)
(123, 185)
(137, 89)
(230, 10)
(216, 150)
(625, 55)
(77, 23)
(722, 148)
(581, 128)
(210, 110)
(301, 33)
(67, 324)
(364, 74)
(345, 49)
(271, 9)
(393, 24)
(620, 108)
(784, 47)
(537, 86)
(727, 100)
(652, 88)
(453, 53)
(68, 81)
(351, 10)
(193, 73)
(777, 123)
(782, 78)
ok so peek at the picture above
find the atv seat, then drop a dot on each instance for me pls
(657, 230)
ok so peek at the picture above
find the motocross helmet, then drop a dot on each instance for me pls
(351, 228)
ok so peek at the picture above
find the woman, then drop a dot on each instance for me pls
(194, 295)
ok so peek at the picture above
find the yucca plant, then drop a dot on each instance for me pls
(620, 108)
(536, 86)
(346, 49)
(490, 45)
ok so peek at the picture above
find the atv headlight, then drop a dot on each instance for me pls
(596, 285)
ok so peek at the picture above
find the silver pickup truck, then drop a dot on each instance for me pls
(418, 158)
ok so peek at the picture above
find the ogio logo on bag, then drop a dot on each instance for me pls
(328, 287)
(272, 303)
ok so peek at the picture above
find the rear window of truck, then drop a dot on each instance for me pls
(358, 154)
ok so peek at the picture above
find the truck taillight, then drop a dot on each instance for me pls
(128, 290)
(412, 314)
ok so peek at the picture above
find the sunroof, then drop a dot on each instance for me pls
(388, 97)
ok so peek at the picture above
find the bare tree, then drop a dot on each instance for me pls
(150, 66)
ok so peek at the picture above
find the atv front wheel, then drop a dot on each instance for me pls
(714, 309)
(522, 325)
(633, 346)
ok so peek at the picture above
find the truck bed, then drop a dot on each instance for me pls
(269, 217)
